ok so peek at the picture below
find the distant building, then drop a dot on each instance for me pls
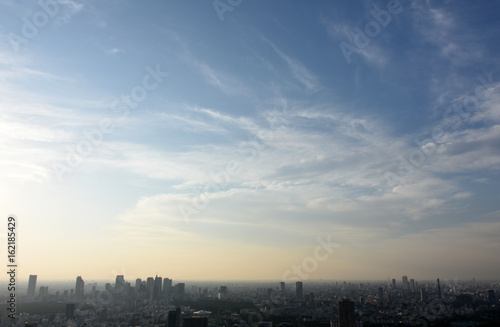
(195, 322)
(394, 283)
(412, 284)
(167, 286)
(180, 290)
(405, 283)
(120, 281)
(157, 288)
(32, 285)
(347, 317)
(137, 288)
(299, 291)
(43, 291)
(79, 287)
(150, 283)
(282, 286)
(222, 292)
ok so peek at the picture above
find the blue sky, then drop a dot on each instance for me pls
(204, 140)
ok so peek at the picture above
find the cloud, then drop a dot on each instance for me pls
(297, 69)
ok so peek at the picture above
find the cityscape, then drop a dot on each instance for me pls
(157, 301)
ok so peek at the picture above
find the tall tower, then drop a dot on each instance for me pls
(79, 287)
(405, 283)
(282, 286)
(167, 286)
(346, 313)
(439, 289)
(150, 283)
(298, 290)
(393, 283)
(120, 281)
(32, 285)
(157, 288)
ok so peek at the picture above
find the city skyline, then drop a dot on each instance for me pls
(278, 141)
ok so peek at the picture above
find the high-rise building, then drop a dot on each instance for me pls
(393, 283)
(79, 287)
(439, 288)
(282, 286)
(150, 283)
(222, 292)
(157, 288)
(138, 282)
(298, 290)
(43, 291)
(412, 284)
(167, 286)
(405, 283)
(180, 290)
(346, 313)
(32, 285)
(120, 281)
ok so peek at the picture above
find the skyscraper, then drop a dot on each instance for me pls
(394, 283)
(157, 288)
(282, 286)
(298, 290)
(412, 284)
(346, 313)
(167, 286)
(405, 283)
(79, 287)
(120, 281)
(180, 289)
(32, 285)
(150, 283)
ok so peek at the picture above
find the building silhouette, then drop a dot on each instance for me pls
(150, 283)
(282, 286)
(32, 285)
(79, 287)
(180, 290)
(120, 281)
(157, 288)
(167, 286)
(299, 293)
(405, 283)
(346, 313)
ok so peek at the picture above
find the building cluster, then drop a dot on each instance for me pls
(158, 301)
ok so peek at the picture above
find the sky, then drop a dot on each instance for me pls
(251, 140)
